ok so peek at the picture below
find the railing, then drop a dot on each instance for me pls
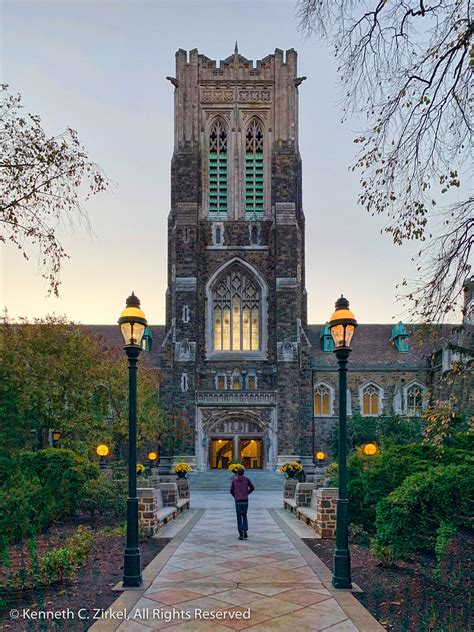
(236, 398)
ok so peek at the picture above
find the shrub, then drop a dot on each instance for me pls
(57, 565)
(81, 543)
(41, 487)
(384, 431)
(408, 519)
(372, 478)
(62, 474)
(104, 497)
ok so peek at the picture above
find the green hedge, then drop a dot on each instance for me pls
(42, 487)
(372, 478)
(409, 518)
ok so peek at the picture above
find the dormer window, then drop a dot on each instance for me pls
(147, 339)
(327, 343)
(400, 337)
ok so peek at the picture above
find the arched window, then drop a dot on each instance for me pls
(251, 382)
(218, 168)
(322, 398)
(371, 396)
(236, 300)
(254, 169)
(414, 400)
(220, 382)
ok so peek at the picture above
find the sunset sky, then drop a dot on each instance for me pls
(101, 67)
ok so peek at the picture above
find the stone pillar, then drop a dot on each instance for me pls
(236, 449)
(326, 512)
(147, 507)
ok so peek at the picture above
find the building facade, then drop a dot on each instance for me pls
(243, 373)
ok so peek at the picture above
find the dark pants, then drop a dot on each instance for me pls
(241, 507)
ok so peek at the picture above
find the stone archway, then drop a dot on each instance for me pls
(236, 423)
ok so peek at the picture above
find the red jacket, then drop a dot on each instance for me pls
(241, 487)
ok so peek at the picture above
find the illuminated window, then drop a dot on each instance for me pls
(236, 306)
(220, 382)
(218, 168)
(251, 382)
(414, 400)
(322, 400)
(254, 169)
(371, 400)
(236, 384)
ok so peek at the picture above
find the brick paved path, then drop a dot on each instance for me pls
(272, 574)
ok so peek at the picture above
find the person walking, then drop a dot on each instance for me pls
(240, 489)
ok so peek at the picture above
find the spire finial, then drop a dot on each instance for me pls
(236, 49)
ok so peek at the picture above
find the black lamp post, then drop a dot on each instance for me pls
(132, 323)
(342, 326)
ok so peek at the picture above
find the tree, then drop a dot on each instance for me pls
(56, 375)
(42, 183)
(407, 65)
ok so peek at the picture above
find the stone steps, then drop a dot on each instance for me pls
(220, 480)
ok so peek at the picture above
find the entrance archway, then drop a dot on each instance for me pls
(243, 435)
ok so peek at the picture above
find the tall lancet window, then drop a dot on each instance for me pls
(254, 169)
(236, 300)
(218, 168)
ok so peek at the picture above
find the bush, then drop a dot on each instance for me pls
(56, 565)
(104, 497)
(372, 478)
(408, 519)
(42, 487)
(62, 474)
(384, 431)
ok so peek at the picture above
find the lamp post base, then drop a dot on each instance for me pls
(132, 575)
(342, 569)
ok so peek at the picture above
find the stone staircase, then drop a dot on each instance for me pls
(220, 480)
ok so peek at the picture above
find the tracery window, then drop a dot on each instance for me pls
(371, 400)
(236, 300)
(322, 400)
(414, 400)
(254, 169)
(221, 383)
(218, 168)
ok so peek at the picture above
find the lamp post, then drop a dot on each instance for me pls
(342, 326)
(132, 323)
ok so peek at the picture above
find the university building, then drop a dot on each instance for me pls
(243, 372)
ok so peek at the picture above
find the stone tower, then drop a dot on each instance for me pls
(235, 359)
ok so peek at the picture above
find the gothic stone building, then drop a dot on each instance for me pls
(241, 367)
(244, 375)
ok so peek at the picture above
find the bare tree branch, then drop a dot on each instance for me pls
(42, 181)
(407, 65)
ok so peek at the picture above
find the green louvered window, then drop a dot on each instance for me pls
(218, 170)
(254, 170)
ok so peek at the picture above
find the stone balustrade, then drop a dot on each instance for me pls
(236, 398)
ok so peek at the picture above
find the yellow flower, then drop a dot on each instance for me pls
(140, 468)
(182, 467)
(235, 466)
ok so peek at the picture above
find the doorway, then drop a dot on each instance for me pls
(220, 453)
(251, 453)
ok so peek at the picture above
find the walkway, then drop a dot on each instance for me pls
(272, 581)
